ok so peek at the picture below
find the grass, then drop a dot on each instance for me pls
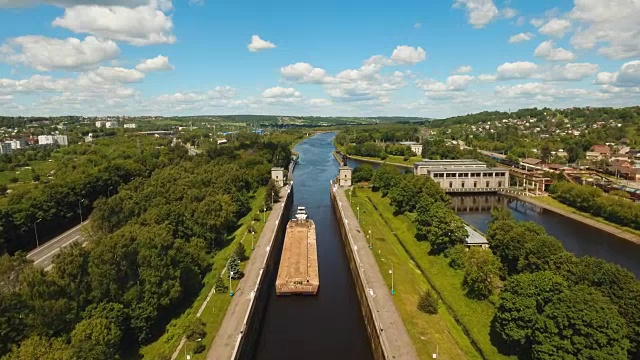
(25, 174)
(548, 200)
(216, 309)
(462, 326)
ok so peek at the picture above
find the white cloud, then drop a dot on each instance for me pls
(547, 51)
(463, 69)
(537, 22)
(516, 70)
(45, 54)
(407, 55)
(453, 83)
(158, 63)
(219, 95)
(521, 37)
(479, 12)
(545, 91)
(487, 78)
(320, 102)
(611, 24)
(417, 25)
(520, 21)
(116, 74)
(139, 26)
(65, 3)
(570, 72)
(627, 76)
(280, 92)
(508, 13)
(304, 73)
(258, 44)
(555, 27)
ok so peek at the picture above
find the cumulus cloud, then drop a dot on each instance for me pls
(158, 63)
(304, 73)
(138, 26)
(521, 37)
(548, 51)
(611, 25)
(508, 13)
(217, 94)
(453, 83)
(463, 69)
(407, 55)
(23, 3)
(555, 27)
(320, 102)
(46, 54)
(281, 92)
(627, 76)
(116, 74)
(570, 72)
(487, 78)
(258, 44)
(516, 70)
(479, 12)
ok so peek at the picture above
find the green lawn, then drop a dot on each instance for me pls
(24, 175)
(215, 310)
(394, 237)
(548, 200)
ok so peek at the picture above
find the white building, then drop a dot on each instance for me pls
(111, 124)
(463, 175)
(5, 148)
(101, 124)
(61, 140)
(46, 140)
(415, 147)
(130, 126)
(18, 144)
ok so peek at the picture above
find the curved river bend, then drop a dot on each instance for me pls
(329, 325)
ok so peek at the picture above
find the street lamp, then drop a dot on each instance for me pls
(80, 209)
(264, 214)
(230, 284)
(35, 229)
(350, 194)
(370, 240)
(391, 272)
(252, 232)
(358, 214)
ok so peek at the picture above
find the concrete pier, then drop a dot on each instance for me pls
(239, 330)
(388, 335)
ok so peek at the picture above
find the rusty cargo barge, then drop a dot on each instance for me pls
(298, 271)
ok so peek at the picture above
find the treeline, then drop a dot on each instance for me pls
(84, 173)
(438, 149)
(594, 201)
(377, 133)
(21, 158)
(151, 245)
(555, 305)
(380, 151)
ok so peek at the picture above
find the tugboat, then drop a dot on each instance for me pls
(298, 271)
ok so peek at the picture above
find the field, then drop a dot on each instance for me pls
(24, 175)
(461, 328)
(216, 308)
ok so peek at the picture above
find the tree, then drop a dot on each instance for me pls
(580, 324)
(3, 189)
(195, 329)
(481, 273)
(233, 267)
(41, 348)
(96, 338)
(220, 286)
(240, 252)
(444, 229)
(385, 178)
(272, 194)
(362, 173)
(522, 301)
(428, 302)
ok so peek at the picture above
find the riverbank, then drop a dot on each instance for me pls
(555, 206)
(208, 306)
(236, 330)
(387, 332)
(462, 324)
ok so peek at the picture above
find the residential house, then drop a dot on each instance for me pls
(603, 150)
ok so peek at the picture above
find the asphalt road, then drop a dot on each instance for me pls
(43, 255)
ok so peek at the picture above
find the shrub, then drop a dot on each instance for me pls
(199, 348)
(428, 302)
(220, 286)
(240, 252)
(13, 179)
(195, 329)
(456, 256)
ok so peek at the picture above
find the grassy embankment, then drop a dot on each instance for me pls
(391, 159)
(461, 328)
(217, 306)
(548, 200)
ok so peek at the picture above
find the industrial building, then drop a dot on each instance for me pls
(463, 175)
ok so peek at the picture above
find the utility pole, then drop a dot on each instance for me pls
(264, 221)
(358, 214)
(230, 284)
(35, 229)
(252, 232)
(370, 240)
(392, 288)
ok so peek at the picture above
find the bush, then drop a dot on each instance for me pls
(195, 329)
(199, 348)
(233, 266)
(405, 158)
(13, 179)
(240, 252)
(456, 256)
(220, 286)
(3, 189)
(428, 302)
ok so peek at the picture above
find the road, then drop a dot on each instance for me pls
(43, 255)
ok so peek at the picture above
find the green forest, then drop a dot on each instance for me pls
(151, 245)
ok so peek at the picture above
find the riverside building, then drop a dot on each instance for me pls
(463, 175)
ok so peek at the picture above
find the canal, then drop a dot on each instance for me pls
(578, 238)
(329, 325)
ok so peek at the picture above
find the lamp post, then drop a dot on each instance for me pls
(252, 232)
(391, 271)
(264, 214)
(370, 240)
(230, 284)
(80, 209)
(350, 194)
(35, 229)
(358, 214)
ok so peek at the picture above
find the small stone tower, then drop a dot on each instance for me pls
(277, 174)
(344, 177)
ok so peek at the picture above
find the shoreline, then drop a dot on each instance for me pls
(622, 234)
(371, 161)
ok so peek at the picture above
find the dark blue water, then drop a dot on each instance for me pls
(329, 325)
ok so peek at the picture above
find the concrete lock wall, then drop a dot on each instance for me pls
(365, 307)
(248, 341)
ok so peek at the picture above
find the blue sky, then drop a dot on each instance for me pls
(360, 58)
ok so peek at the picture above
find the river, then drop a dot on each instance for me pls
(329, 325)
(578, 238)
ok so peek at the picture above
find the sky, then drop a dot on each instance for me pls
(425, 58)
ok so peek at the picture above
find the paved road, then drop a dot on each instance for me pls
(225, 343)
(43, 255)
